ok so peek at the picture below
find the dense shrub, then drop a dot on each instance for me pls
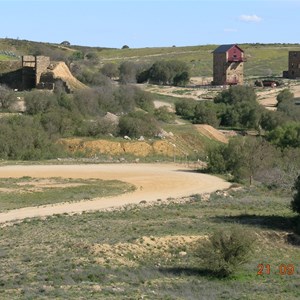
(7, 98)
(138, 124)
(163, 114)
(225, 251)
(127, 72)
(97, 127)
(22, 138)
(206, 113)
(284, 95)
(287, 135)
(39, 101)
(110, 70)
(185, 108)
(143, 100)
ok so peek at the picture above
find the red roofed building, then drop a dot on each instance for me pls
(228, 65)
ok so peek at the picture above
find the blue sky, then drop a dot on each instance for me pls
(114, 23)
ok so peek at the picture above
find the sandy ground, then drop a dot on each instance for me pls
(267, 97)
(153, 181)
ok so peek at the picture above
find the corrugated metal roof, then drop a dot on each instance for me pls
(225, 48)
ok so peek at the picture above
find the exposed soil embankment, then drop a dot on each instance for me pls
(212, 133)
(138, 148)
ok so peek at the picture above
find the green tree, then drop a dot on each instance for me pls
(287, 135)
(172, 72)
(241, 107)
(181, 79)
(185, 108)
(205, 113)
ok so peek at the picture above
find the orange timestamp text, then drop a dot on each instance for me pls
(282, 269)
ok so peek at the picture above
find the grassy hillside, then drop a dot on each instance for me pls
(147, 252)
(262, 59)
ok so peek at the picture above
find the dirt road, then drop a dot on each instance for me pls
(153, 181)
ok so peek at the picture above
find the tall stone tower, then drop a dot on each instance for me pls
(32, 69)
(294, 65)
(228, 65)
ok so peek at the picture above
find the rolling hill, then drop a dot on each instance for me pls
(262, 59)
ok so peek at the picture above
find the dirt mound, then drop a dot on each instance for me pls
(212, 133)
(138, 148)
(130, 254)
(61, 70)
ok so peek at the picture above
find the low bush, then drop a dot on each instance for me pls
(225, 251)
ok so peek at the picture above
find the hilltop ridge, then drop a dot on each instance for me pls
(262, 59)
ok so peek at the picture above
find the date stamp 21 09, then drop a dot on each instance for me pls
(282, 269)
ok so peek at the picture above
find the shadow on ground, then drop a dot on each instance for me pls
(287, 224)
(270, 222)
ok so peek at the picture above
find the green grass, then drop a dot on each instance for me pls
(262, 59)
(169, 99)
(27, 191)
(55, 258)
(4, 57)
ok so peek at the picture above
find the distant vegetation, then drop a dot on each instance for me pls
(52, 116)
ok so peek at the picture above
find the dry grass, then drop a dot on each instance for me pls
(146, 252)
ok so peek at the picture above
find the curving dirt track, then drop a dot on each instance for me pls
(153, 181)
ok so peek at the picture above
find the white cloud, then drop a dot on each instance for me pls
(250, 18)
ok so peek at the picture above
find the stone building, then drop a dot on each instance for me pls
(228, 65)
(32, 69)
(41, 73)
(294, 65)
